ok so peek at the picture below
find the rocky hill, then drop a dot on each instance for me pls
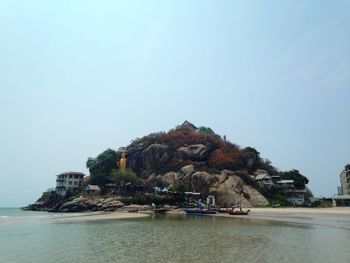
(184, 159)
(188, 158)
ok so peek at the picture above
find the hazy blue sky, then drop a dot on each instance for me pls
(78, 77)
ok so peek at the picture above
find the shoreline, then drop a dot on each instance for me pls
(288, 214)
(304, 210)
(338, 217)
(97, 216)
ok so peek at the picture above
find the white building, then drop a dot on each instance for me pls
(345, 180)
(264, 180)
(67, 181)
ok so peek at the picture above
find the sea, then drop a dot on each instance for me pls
(27, 236)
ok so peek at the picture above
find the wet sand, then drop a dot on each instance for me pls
(303, 210)
(331, 217)
(98, 216)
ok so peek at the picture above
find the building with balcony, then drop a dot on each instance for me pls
(285, 184)
(264, 180)
(295, 196)
(345, 180)
(68, 181)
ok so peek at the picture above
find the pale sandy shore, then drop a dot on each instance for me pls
(331, 217)
(302, 210)
(99, 216)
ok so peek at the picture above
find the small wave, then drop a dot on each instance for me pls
(4, 216)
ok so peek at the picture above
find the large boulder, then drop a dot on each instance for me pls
(195, 152)
(75, 205)
(170, 178)
(234, 191)
(202, 181)
(255, 198)
(133, 155)
(155, 156)
(186, 172)
(90, 203)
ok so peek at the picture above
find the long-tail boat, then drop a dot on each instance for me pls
(199, 211)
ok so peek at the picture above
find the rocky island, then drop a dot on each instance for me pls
(162, 169)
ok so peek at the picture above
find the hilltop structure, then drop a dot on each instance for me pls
(188, 125)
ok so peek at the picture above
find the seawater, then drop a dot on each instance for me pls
(34, 237)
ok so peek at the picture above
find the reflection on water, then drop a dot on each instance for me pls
(173, 239)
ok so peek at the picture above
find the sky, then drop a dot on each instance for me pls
(78, 77)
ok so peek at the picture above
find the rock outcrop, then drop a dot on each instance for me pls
(226, 186)
(154, 156)
(195, 152)
(134, 160)
(83, 204)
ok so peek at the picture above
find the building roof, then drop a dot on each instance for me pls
(73, 173)
(93, 187)
(285, 182)
(187, 124)
(262, 176)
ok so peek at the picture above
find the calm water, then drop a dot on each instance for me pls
(33, 237)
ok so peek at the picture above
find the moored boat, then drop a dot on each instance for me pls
(199, 211)
(238, 212)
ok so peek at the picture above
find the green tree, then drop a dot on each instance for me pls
(102, 166)
(124, 177)
(205, 130)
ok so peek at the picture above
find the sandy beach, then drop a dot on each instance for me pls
(99, 216)
(330, 217)
(334, 217)
(303, 210)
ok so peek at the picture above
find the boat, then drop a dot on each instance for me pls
(238, 212)
(199, 211)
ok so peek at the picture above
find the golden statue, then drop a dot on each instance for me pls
(122, 163)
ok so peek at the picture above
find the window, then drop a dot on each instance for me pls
(70, 182)
(70, 176)
(75, 183)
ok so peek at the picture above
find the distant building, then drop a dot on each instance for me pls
(339, 190)
(345, 180)
(275, 177)
(295, 196)
(264, 180)
(285, 184)
(341, 200)
(67, 181)
(188, 125)
(292, 195)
